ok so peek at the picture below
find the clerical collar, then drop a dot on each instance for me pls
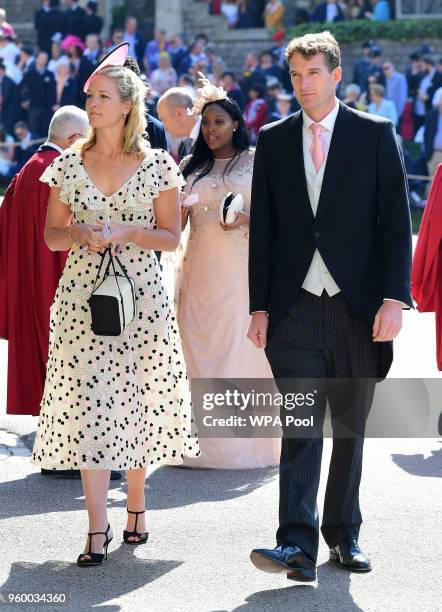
(48, 143)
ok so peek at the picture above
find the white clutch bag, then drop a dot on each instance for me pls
(229, 206)
(112, 301)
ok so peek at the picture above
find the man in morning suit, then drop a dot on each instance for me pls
(329, 275)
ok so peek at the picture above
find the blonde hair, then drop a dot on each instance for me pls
(131, 89)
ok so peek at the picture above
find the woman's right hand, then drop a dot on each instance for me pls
(88, 235)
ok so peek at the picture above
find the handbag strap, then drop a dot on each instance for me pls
(103, 257)
(111, 262)
(123, 269)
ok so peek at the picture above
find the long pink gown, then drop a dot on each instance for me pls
(213, 309)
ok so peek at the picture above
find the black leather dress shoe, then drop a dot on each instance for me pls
(290, 560)
(348, 554)
(75, 474)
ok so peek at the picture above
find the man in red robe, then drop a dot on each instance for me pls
(426, 276)
(29, 271)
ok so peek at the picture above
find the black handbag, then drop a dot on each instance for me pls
(112, 301)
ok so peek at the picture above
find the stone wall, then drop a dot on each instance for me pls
(234, 44)
(20, 14)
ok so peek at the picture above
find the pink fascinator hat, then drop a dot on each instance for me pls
(71, 41)
(116, 57)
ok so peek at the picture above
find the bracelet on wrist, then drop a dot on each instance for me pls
(70, 234)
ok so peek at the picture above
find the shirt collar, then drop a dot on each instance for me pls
(48, 143)
(327, 123)
(195, 130)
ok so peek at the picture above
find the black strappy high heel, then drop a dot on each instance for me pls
(95, 558)
(142, 537)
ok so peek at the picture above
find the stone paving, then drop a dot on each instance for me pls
(11, 445)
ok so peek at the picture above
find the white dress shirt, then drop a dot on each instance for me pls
(195, 130)
(318, 277)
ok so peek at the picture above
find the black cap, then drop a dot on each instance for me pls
(367, 44)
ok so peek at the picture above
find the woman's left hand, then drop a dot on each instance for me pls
(242, 218)
(119, 235)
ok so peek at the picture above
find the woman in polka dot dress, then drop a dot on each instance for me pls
(114, 402)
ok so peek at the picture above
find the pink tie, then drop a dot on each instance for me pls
(317, 149)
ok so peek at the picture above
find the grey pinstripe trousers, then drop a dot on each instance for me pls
(323, 337)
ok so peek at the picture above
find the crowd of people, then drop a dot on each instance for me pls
(37, 80)
(272, 13)
(112, 393)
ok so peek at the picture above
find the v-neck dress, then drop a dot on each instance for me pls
(114, 402)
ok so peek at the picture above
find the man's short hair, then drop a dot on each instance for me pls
(228, 73)
(428, 60)
(28, 49)
(312, 44)
(266, 52)
(353, 88)
(20, 125)
(377, 89)
(177, 97)
(188, 78)
(66, 121)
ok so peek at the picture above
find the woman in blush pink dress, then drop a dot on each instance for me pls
(213, 301)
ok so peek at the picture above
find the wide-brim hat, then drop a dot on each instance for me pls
(116, 57)
(72, 41)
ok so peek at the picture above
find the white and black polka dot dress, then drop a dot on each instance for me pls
(114, 402)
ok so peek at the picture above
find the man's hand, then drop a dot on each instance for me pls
(258, 329)
(388, 322)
